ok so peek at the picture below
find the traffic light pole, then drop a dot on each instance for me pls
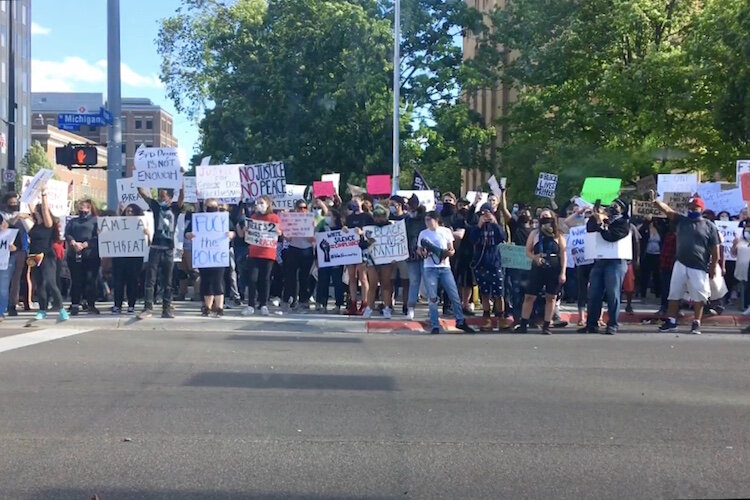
(114, 133)
(11, 139)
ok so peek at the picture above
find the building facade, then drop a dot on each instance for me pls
(15, 80)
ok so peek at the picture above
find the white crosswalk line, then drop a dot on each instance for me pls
(38, 336)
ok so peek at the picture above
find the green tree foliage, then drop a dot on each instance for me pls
(34, 160)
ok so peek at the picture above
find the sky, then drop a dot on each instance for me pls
(70, 59)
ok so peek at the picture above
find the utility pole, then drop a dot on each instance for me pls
(396, 93)
(114, 133)
(11, 97)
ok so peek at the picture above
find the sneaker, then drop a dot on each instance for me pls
(248, 311)
(435, 331)
(145, 314)
(546, 330)
(468, 311)
(74, 308)
(695, 329)
(464, 327)
(275, 301)
(745, 313)
(40, 315)
(204, 311)
(471, 307)
(668, 326)
(116, 310)
(12, 312)
(410, 314)
(520, 329)
(264, 311)
(611, 330)
(131, 309)
(167, 314)
(387, 313)
(93, 311)
(63, 315)
(629, 309)
(367, 313)
(220, 312)
(405, 309)
(319, 308)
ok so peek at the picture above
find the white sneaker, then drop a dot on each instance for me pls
(264, 311)
(387, 312)
(248, 311)
(367, 313)
(471, 306)
(410, 314)
(275, 301)
(747, 312)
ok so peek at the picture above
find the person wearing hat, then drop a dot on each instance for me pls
(697, 259)
(607, 275)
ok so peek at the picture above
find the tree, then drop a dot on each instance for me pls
(34, 160)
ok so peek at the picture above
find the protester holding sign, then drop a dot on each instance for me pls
(329, 275)
(377, 273)
(83, 256)
(400, 274)
(15, 220)
(7, 263)
(127, 270)
(297, 264)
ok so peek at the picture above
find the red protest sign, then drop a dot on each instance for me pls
(378, 184)
(323, 188)
(745, 185)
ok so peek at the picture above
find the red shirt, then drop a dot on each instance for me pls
(264, 252)
(668, 251)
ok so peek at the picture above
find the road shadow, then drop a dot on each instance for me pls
(289, 338)
(292, 381)
(140, 494)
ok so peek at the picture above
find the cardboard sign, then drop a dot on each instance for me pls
(323, 188)
(514, 257)
(127, 194)
(426, 198)
(37, 183)
(261, 233)
(297, 224)
(57, 196)
(728, 230)
(337, 248)
(677, 183)
(263, 179)
(123, 236)
(379, 184)
(191, 189)
(221, 182)
(726, 201)
(743, 166)
(7, 237)
(546, 185)
(157, 168)
(678, 202)
(293, 193)
(745, 185)
(601, 188)
(646, 208)
(356, 190)
(471, 197)
(645, 184)
(390, 244)
(334, 178)
(577, 247)
(211, 243)
(596, 247)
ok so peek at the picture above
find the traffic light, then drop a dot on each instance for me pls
(81, 154)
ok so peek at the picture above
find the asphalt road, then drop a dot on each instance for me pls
(242, 413)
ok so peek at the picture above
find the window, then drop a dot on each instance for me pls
(124, 148)
(3, 34)
(23, 14)
(25, 119)
(138, 124)
(149, 124)
(2, 70)
(2, 5)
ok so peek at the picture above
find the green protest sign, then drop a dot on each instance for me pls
(514, 257)
(601, 188)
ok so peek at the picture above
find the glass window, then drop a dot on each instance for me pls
(138, 124)
(124, 147)
(23, 14)
(3, 34)
(149, 125)
(2, 5)
(2, 70)
(25, 120)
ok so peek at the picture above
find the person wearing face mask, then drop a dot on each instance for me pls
(161, 253)
(377, 273)
(17, 260)
(297, 264)
(415, 224)
(652, 233)
(83, 256)
(333, 275)
(741, 251)
(458, 220)
(607, 275)
(400, 269)
(127, 270)
(357, 219)
(697, 259)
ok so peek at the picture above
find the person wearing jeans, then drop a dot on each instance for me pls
(435, 245)
(414, 225)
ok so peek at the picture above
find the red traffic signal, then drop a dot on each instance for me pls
(85, 155)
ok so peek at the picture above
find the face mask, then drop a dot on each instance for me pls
(515, 209)
(547, 229)
(212, 209)
(694, 215)
(163, 204)
(318, 212)
(83, 213)
(13, 208)
(393, 210)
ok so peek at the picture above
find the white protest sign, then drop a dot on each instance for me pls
(546, 185)
(261, 233)
(7, 237)
(707, 188)
(34, 189)
(127, 194)
(191, 189)
(729, 231)
(210, 240)
(57, 196)
(157, 168)
(472, 195)
(495, 186)
(286, 201)
(263, 179)
(596, 247)
(677, 183)
(123, 236)
(221, 182)
(334, 178)
(581, 203)
(390, 244)
(206, 160)
(725, 201)
(743, 166)
(337, 248)
(576, 247)
(426, 198)
(297, 224)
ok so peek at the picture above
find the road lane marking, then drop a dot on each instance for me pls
(37, 337)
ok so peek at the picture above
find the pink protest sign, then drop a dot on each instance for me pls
(323, 188)
(378, 184)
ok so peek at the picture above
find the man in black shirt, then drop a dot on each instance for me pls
(161, 253)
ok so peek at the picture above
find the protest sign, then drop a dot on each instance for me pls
(127, 194)
(191, 189)
(390, 242)
(495, 186)
(601, 188)
(210, 241)
(678, 202)
(426, 198)
(293, 193)
(743, 166)
(57, 196)
(730, 201)
(728, 230)
(514, 257)
(37, 183)
(337, 248)
(707, 188)
(677, 183)
(378, 184)
(297, 224)
(263, 179)
(576, 242)
(221, 182)
(546, 185)
(261, 233)
(646, 184)
(323, 188)
(7, 237)
(157, 168)
(596, 247)
(123, 236)
(334, 178)
(745, 185)
(355, 190)
(646, 208)
(471, 197)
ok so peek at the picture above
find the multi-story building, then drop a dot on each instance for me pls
(15, 79)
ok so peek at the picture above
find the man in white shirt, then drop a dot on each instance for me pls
(435, 245)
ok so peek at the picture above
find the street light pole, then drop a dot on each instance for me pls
(396, 93)
(114, 132)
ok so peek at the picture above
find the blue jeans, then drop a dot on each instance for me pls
(5, 277)
(443, 277)
(515, 291)
(415, 281)
(606, 277)
(326, 275)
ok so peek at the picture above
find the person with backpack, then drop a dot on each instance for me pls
(161, 253)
